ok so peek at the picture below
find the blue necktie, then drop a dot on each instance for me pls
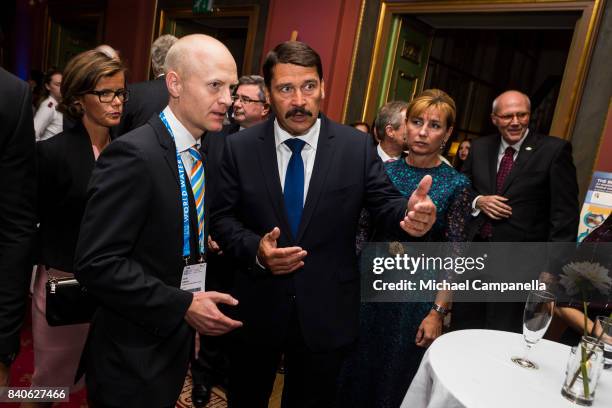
(294, 184)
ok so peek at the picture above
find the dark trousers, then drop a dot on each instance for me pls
(506, 316)
(212, 365)
(311, 378)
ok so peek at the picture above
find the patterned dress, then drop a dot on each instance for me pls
(385, 359)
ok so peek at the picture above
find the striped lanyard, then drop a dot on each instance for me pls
(184, 198)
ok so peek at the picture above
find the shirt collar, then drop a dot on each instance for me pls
(182, 138)
(311, 137)
(384, 156)
(516, 146)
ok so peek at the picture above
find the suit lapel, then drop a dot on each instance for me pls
(84, 159)
(167, 143)
(527, 149)
(493, 151)
(323, 159)
(266, 151)
(165, 140)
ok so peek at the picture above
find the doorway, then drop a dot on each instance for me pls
(69, 34)
(476, 50)
(234, 26)
(476, 57)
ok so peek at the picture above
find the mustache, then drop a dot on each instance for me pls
(296, 111)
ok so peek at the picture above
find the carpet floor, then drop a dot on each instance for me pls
(23, 367)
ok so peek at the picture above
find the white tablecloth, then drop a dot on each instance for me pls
(472, 368)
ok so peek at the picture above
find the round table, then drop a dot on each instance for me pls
(472, 368)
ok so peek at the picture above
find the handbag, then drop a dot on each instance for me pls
(67, 302)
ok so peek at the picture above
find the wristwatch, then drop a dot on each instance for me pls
(7, 359)
(442, 310)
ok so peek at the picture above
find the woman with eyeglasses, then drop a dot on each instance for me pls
(93, 93)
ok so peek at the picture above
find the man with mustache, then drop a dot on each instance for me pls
(527, 193)
(287, 214)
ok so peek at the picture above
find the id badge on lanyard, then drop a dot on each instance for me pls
(194, 276)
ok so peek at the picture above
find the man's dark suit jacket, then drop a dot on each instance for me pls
(17, 205)
(129, 257)
(146, 99)
(543, 193)
(65, 163)
(541, 189)
(218, 272)
(347, 176)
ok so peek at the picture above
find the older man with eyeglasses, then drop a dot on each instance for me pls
(527, 192)
(250, 104)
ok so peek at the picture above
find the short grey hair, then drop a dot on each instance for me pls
(254, 80)
(390, 114)
(159, 50)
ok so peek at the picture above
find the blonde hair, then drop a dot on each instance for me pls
(433, 98)
(81, 76)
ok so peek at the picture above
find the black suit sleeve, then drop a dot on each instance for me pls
(467, 165)
(119, 193)
(237, 241)
(383, 201)
(17, 209)
(564, 211)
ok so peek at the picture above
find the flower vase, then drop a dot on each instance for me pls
(585, 358)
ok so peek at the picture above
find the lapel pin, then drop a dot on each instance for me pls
(528, 148)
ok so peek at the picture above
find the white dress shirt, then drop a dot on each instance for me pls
(384, 156)
(309, 151)
(500, 154)
(504, 145)
(183, 140)
(48, 121)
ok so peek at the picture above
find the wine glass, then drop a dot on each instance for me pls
(536, 319)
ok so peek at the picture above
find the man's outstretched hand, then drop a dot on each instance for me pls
(279, 261)
(204, 315)
(420, 210)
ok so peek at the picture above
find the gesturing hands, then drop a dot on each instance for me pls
(494, 206)
(204, 315)
(279, 261)
(420, 210)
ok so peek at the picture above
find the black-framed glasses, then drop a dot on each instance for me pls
(108, 95)
(245, 99)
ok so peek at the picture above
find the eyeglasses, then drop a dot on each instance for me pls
(245, 99)
(509, 117)
(108, 95)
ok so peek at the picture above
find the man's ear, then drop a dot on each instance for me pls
(265, 110)
(322, 89)
(173, 83)
(389, 131)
